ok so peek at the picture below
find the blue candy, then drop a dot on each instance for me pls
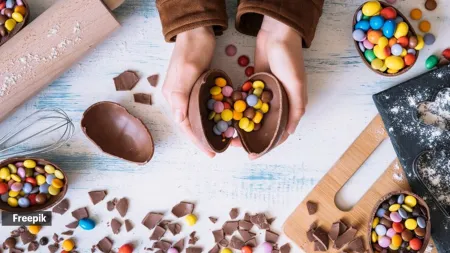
(389, 28)
(429, 39)
(361, 47)
(252, 100)
(403, 213)
(10, 4)
(27, 188)
(363, 25)
(49, 178)
(359, 16)
(24, 202)
(86, 224)
(380, 212)
(380, 230)
(222, 126)
(44, 188)
(401, 197)
(4, 197)
(421, 222)
(210, 104)
(396, 49)
(376, 22)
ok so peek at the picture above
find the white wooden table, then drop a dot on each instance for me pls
(340, 106)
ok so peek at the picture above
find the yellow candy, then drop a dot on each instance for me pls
(217, 117)
(29, 164)
(394, 62)
(257, 92)
(258, 105)
(384, 68)
(258, 117)
(237, 115)
(218, 97)
(407, 208)
(383, 42)
(13, 202)
(240, 106)
(10, 24)
(392, 247)
(411, 224)
(379, 52)
(404, 53)
(216, 90)
(265, 107)
(12, 168)
(191, 219)
(59, 174)
(53, 190)
(57, 183)
(374, 237)
(377, 64)
(4, 173)
(16, 178)
(392, 71)
(20, 9)
(396, 240)
(250, 127)
(226, 250)
(13, 194)
(211, 115)
(68, 245)
(258, 85)
(220, 81)
(17, 17)
(394, 208)
(227, 115)
(40, 179)
(420, 43)
(371, 8)
(411, 201)
(401, 30)
(34, 229)
(49, 169)
(243, 123)
(375, 222)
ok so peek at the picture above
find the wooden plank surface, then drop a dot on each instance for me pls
(340, 107)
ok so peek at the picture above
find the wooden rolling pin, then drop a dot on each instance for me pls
(50, 45)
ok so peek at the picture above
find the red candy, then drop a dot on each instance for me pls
(243, 60)
(409, 59)
(446, 54)
(388, 13)
(250, 70)
(3, 188)
(32, 198)
(31, 180)
(403, 41)
(398, 227)
(231, 50)
(387, 51)
(126, 248)
(246, 249)
(247, 86)
(415, 244)
(226, 105)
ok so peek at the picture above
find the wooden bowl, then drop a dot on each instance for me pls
(420, 202)
(53, 200)
(411, 32)
(18, 26)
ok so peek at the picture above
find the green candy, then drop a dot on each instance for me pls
(370, 56)
(364, 17)
(431, 62)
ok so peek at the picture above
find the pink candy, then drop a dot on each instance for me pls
(244, 95)
(227, 91)
(390, 233)
(367, 44)
(229, 132)
(384, 241)
(395, 217)
(218, 107)
(267, 247)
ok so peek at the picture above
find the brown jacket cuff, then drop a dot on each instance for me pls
(182, 15)
(301, 15)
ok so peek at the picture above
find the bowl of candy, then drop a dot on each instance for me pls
(14, 15)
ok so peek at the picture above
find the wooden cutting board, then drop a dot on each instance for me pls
(325, 191)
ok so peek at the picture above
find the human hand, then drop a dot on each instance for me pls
(191, 57)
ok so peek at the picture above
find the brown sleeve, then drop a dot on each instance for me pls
(302, 15)
(182, 15)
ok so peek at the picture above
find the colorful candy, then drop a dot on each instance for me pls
(68, 245)
(424, 26)
(128, 248)
(191, 219)
(429, 39)
(86, 224)
(243, 60)
(231, 50)
(34, 229)
(415, 14)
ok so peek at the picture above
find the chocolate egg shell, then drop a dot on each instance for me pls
(420, 202)
(127, 137)
(53, 200)
(18, 26)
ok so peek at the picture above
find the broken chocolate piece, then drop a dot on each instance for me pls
(128, 225)
(61, 207)
(152, 219)
(72, 225)
(53, 248)
(105, 245)
(9, 243)
(286, 248)
(251, 242)
(164, 223)
(126, 81)
(182, 209)
(270, 221)
(245, 224)
(15, 250)
(346, 237)
(260, 221)
(319, 246)
(80, 213)
(312, 207)
(33, 246)
(357, 245)
(271, 236)
(122, 206)
(236, 243)
(68, 232)
(246, 235)
(27, 237)
(234, 213)
(337, 229)
(158, 233)
(15, 233)
(218, 235)
(223, 242)
(163, 245)
(194, 250)
(247, 217)
(230, 226)
(215, 249)
(213, 220)
(179, 245)
(192, 239)
(174, 228)
(110, 205)
(97, 196)
(115, 226)
(143, 98)
(322, 237)
(153, 80)
(309, 234)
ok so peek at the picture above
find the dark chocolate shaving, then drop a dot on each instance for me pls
(126, 81)
(286, 248)
(68, 232)
(218, 235)
(179, 245)
(245, 224)
(194, 250)
(215, 249)
(236, 243)
(357, 245)
(174, 228)
(260, 221)
(33, 246)
(97, 196)
(152, 219)
(246, 235)
(158, 233)
(72, 225)
(271, 236)
(105, 245)
(53, 247)
(322, 237)
(143, 98)
(230, 226)
(80, 213)
(312, 207)
(153, 80)
(251, 242)
(128, 225)
(122, 206)
(182, 209)
(27, 237)
(213, 220)
(61, 207)
(115, 226)
(345, 238)
(234, 213)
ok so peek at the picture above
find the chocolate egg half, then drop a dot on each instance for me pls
(118, 133)
(19, 26)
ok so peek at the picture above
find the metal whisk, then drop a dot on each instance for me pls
(42, 131)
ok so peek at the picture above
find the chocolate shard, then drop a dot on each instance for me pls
(192, 238)
(194, 250)
(128, 225)
(337, 229)
(252, 242)
(164, 223)
(122, 206)
(53, 247)
(215, 249)
(230, 226)
(286, 248)
(224, 242)
(312, 207)
(143, 98)
(309, 235)
(68, 232)
(270, 220)
(271, 236)
(152, 219)
(179, 245)
(218, 235)
(318, 246)
(345, 238)
(163, 245)
(322, 237)
(115, 226)
(72, 225)
(27, 237)
(234, 213)
(245, 224)
(126, 81)
(55, 238)
(246, 235)
(213, 220)
(174, 228)
(158, 233)
(357, 245)
(182, 209)
(61, 207)
(260, 221)
(247, 217)
(275, 251)
(15, 250)
(33, 246)
(97, 196)
(110, 205)
(236, 243)
(153, 80)
(80, 213)
(105, 245)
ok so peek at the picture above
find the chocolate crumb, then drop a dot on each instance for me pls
(33, 246)
(143, 98)
(53, 247)
(163, 245)
(97, 196)
(152, 219)
(15, 250)
(215, 249)
(346, 237)
(126, 81)
(236, 243)
(271, 236)
(179, 245)
(322, 237)
(213, 220)
(110, 205)
(246, 235)
(61, 207)
(9, 243)
(15, 233)
(153, 80)
(128, 225)
(158, 233)
(194, 250)
(72, 225)
(286, 248)
(122, 206)
(182, 209)
(105, 245)
(174, 228)
(312, 207)
(234, 213)
(80, 213)
(115, 226)
(252, 242)
(93, 248)
(230, 226)
(68, 232)
(357, 245)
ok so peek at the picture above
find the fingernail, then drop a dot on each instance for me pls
(291, 130)
(178, 116)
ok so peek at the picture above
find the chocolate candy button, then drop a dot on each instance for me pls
(407, 235)
(385, 222)
(419, 231)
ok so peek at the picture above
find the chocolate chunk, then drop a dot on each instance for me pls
(153, 80)
(33, 246)
(15, 233)
(345, 238)
(247, 217)
(80, 213)
(27, 237)
(110, 205)
(230, 226)
(319, 246)
(213, 220)
(10, 242)
(115, 226)
(312, 207)
(152, 219)
(143, 98)
(357, 245)
(192, 239)
(158, 233)
(126, 81)
(245, 224)
(215, 249)
(61, 207)
(234, 213)
(336, 230)
(322, 237)
(310, 232)
(179, 245)
(271, 236)
(15, 250)
(174, 228)
(43, 241)
(163, 245)
(72, 225)
(252, 242)
(223, 242)
(246, 235)
(194, 250)
(236, 243)
(128, 225)
(105, 245)
(260, 221)
(68, 232)
(56, 238)
(97, 196)
(164, 223)
(122, 206)
(53, 247)
(218, 235)
(182, 209)
(270, 220)
(286, 248)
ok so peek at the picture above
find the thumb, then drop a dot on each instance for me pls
(179, 101)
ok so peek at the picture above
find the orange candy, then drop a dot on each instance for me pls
(398, 227)
(409, 59)
(392, 41)
(415, 14)
(388, 13)
(374, 36)
(247, 86)
(425, 26)
(415, 244)
(126, 248)
(218, 97)
(246, 249)
(403, 41)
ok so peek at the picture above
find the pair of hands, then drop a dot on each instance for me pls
(278, 51)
